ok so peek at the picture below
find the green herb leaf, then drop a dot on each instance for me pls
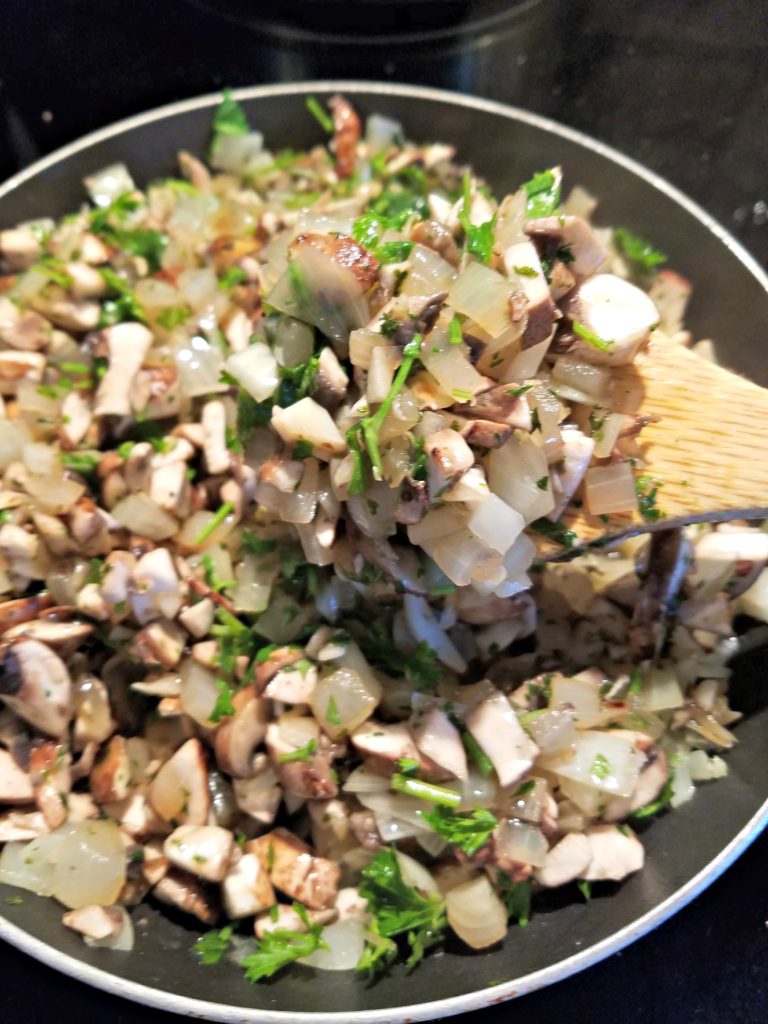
(371, 425)
(389, 325)
(304, 753)
(221, 514)
(601, 767)
(281, 947)
(223, 708)
(526, 271)
(516, 897)
(425, 790)
(455, 334)
(641, 254)
(321, 115)
(229, 117)
(254, 545)
(232, 276)
(212, 946)
(555, 531)
(250, 415)
(173, 316)
(84, 463)
(647, 490)
(477, 754)
(302, 450)
(585, 888)
(543, 483)
(469, 830)
(517, 392)
(543, 191)
(393, 252)
(601, 344)
(398, 910)
(652, 809)
(332, 715)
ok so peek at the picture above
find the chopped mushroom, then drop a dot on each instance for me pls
(495, 726)
(238, 737)
(617, 313)
(127, 345)
(15, 785)
(246, 890)
(214, 421)
(448, 458)
(565, 861)
(19, 247)
(332, 380)
(36, 685)
(63, 637)
(202, 850)
(111, 776)
(346, 135)
(49, 767)
(27, 331)
(184, 891)
(309, 777)
(439, 740)
(21, 826)
(652, 779)
(587, 253)
(294, 870)
(614, 853)
(96, 922)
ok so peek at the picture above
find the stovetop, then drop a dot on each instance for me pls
(681, 87)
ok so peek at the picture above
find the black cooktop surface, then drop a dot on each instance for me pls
(681, 86)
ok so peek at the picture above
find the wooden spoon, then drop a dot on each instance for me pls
(705, 449)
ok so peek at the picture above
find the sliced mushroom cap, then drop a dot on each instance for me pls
(615, 853)
(448, 458)
(616, 312)
(49, 767)
(184, 891)
(246, 890)
(496, 727)
(259, 796)
(202, 850)
(586, 251)
(96, 922)
(179, 791)
(294, 870)
(310, 777)
(127, 345)
(111, 775)
(440, 741)
(15, 784)
(565, 861)
(63, 637)
(36, 685)
(238, 737)
(22, 826)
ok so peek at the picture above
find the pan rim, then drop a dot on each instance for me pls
(467, 1002)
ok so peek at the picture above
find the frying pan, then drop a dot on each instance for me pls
(685, 850)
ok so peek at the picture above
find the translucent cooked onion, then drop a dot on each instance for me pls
(513, 471)
(593, 381)
(363, 780)
(381, 131)
(361, 346)
(429, 273)
(553, 732)
(355, 700)
(294, 342)
(254, 578)
(142, 516)
(425, 627)
(604, 761)
(483, 295)
(581, 696)
(382, 365)
(255, 368)
(236, 153)
(105, 185)
(495, 524)
(31, 865)
(415, 874)
(199, 691)
(199, 364)
(610, 489)
(55, 494)
(476, 913)
(345, 940)
(89, 864)
(518, 841)
(661, 689)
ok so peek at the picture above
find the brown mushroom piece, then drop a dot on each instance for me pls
(653, 777)
(522, 261)
(565, 861)
(587, 252)
(184, 891)
(310, 777)
(567, 474)
(238, 737)
(295, 870)
(23, 329)
(331, 382)
(36, 685)
(111, 775)
(49, 768)
(434, 236)
(346, 135)
(502, 404)
(127, 345)
(202, 850)
(448, 459)
(287, 918)
(614, 853)
(618, 314)
(246, 889)
(495, 726)
(96, 922)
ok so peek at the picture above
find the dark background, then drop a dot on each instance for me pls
(681, 85)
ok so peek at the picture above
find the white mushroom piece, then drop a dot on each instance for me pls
(127, 345)
(36, 685)
(303, 768)
(246, 888)
(25, 330)
(614, 853)
(587, 253)
(448, 458)
(102, 926)
(19, 247)
(186, 892)
(202, 850)
(295, 870)
(565, 861)
(496, 727)
(616, 313)
(15, 784)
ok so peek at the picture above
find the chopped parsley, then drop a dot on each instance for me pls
(543, 191)
(555, 532)
(601, 767)
(652, 809)
(223, 708)
(455, 335)
(399, 911)
(305, 753)
(543, 483)
(322, 116)
(425, 790)
(173, 316)
(517, 392)
(601, 344)
(122, 305)
(229, 117)
(232, 276)
(477, 754)
(389, 325)
(302, 450)
(641, 254)
(213, 524)
(526, 271)
(211, 947)
(469, 830)
(254, 545)
(585, 888)
(281, 947)
(84, 463)
(647, 489)
(478, 238)
(332, 715)
(516, 897)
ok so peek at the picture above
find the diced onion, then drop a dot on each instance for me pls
(142, 516)
(105, 185)
(483, 295)
(476, 913)
(255, 368)
(429, 273)
(516, 840)
(604, 761)
(345, 940)
(199, 364)
(199, 691)
(513, 471)
(355, 700)
(610, 489)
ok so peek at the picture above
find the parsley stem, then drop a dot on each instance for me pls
(478, 755)
(371, 425)
(425, 791)
(217, 520)
(320, 115)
